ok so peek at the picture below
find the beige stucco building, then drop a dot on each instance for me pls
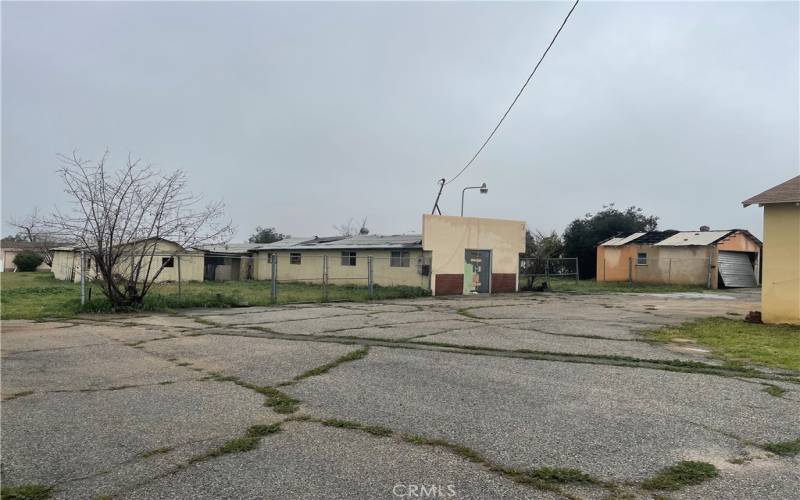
(473, 255)
(780, 291)
(175, 260)
(714, 259)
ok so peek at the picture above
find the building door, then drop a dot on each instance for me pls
(736, 270)
(477, 271)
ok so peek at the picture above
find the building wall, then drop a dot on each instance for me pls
(66, 264)
(447, 238)
(780, 292)
(311, 266)
(665, 265)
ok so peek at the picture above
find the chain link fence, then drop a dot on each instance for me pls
(189, 279)
(531, 269)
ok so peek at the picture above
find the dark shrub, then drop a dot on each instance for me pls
(27, 261)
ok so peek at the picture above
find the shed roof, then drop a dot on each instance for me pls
(230, 248)
(694, 238)
(621, 240)
(785, 192)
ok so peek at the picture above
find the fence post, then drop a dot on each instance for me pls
(325, 278)
(178, 257)
(369, 276)
(83, 277)
(547, 271)
(630, 272)
(578, 270)
(274, 290)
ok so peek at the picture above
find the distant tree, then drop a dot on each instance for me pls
(27, 260)
(351, 228)
(541, 246)
(31, 228)
(266, 235)
(582, 235)
(119, 217)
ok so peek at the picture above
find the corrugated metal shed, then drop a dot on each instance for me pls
(693, 238)
(622, 240)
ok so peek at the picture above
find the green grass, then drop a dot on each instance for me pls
(39, 295)
(351, 356)
(785, 448)
(375, 430)
(682, 474)
(248, 442)
(558, 475)
(26, 492)
(738, 342)
(592, 286)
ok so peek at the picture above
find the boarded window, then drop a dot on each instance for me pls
(295, 258)
(167, 262)
(400, 258)
(641, 259)
(348, 258)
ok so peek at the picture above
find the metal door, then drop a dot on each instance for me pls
(736, 270)
(477, 271)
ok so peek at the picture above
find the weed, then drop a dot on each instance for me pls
(263, 430)
(375, 430)
(774, 390)
(351, 356)
(785, 448)
(467, 313)
(26, 492)
(557, 475)
(682, 474)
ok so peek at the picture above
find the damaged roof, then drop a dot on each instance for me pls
(672, 238)
(360, 241)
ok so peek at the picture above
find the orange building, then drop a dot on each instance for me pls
(714, 259)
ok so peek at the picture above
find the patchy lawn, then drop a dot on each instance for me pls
(737, 342)
(592, 286)
(39, 295)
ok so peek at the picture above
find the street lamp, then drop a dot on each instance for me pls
(483, 189)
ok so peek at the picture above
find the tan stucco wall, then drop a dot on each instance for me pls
(780, 292)
(447, 237)
(669, 265)
(66, 264)
(311, 263)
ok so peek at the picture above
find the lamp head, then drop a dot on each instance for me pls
(484, 189)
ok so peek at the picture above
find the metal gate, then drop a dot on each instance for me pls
(736, 270)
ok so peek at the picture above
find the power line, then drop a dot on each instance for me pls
(563, 23)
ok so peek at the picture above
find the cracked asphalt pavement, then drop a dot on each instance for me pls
(456, 398)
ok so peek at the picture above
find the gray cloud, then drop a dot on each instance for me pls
(303, 115)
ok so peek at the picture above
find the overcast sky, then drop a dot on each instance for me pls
(302, 115)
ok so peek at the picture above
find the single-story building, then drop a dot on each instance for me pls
(715, 259)
(780, 290)
(10, 251)
(453, 255)
(396, 260)
(228, 262)
(174, 258)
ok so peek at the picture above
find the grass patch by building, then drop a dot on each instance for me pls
(592, 286)
(40, 295)
(685, 473)
(738, 342)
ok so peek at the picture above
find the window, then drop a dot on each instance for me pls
(269, 258)
(641, 259)
(295, 258)
(348, 258)
(400, 258)
(167, 262)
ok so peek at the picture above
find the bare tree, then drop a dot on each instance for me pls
(119, 218)
(31, 228)
(351, 228)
